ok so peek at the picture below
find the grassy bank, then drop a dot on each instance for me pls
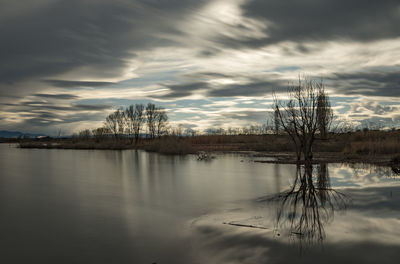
(361, 145)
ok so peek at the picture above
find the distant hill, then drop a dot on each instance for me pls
(17, 134)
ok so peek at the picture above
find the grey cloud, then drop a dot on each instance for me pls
(57, 96)
(49, 119)
(320, 20)
(205, 53)
(40, 106)
(30, 103)
(372, 82)
(182, 90)
(253, 88)
(72, 84)
(54, 37)
(380, 109)
(43, 116)
(175, 95)
(250, 116)
(359, 116)
(91, 107)
(207, 75)
(245, 86)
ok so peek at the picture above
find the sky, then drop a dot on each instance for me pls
(65, 65)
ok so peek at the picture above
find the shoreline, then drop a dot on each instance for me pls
(261, 156)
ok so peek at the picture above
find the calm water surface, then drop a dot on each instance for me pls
(82, 206)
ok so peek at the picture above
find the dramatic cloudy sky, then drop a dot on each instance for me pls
(67, 64)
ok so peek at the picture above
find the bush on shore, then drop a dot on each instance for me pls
(170, 145)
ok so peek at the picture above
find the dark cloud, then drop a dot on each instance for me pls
(43, 115)
(73, 84)
(205, 53)
(46, 44)
(46, 38)
(372, 82)
(320, 20)
(208, 75)
(250, 116)
(245, 86)
(57, 96)
(90, 107)
(40, 106)
(359, 116)
(182, 90)
(253, 88)
(45, 120)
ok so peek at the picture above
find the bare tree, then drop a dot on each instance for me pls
(299, 117)
(151, 119)
(134, 115)
(121, 121)
(190, 132)
(139, 120)
(161, 120)
(129, 116)
(177, 131)
(324, 113)
(85, 134)
(111, 124)
(115, 122)
(276, 122)
(99, 133)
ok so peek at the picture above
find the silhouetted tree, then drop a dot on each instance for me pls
(151, 119)
(324, 112)
(299, 116)
(115, 122)
(85, 134)
(161, 120)
(190, 132)
(100, 132)
(121, 121)
(111, 124)
(276, 122)
(134, 115)
(177, 131)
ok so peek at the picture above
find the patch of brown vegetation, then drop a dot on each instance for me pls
(357, 146)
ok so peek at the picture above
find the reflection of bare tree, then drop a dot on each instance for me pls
(306, 207)
(396, 170)
(395, 165)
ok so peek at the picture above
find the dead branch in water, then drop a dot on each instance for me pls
(243, 225)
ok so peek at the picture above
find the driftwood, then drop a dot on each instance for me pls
(243, 225)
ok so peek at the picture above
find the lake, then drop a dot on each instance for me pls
(93, 206)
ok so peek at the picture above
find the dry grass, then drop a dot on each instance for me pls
(67, 144)
(170, 145)
(241, 143)
(373, 143)
(357, 144)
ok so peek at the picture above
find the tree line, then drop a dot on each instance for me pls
(133, 121)
(302, 117)
(135, 118)
(307, 111)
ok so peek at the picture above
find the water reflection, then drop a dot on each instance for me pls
(396, 169)
(308, 205)
(70, 206)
